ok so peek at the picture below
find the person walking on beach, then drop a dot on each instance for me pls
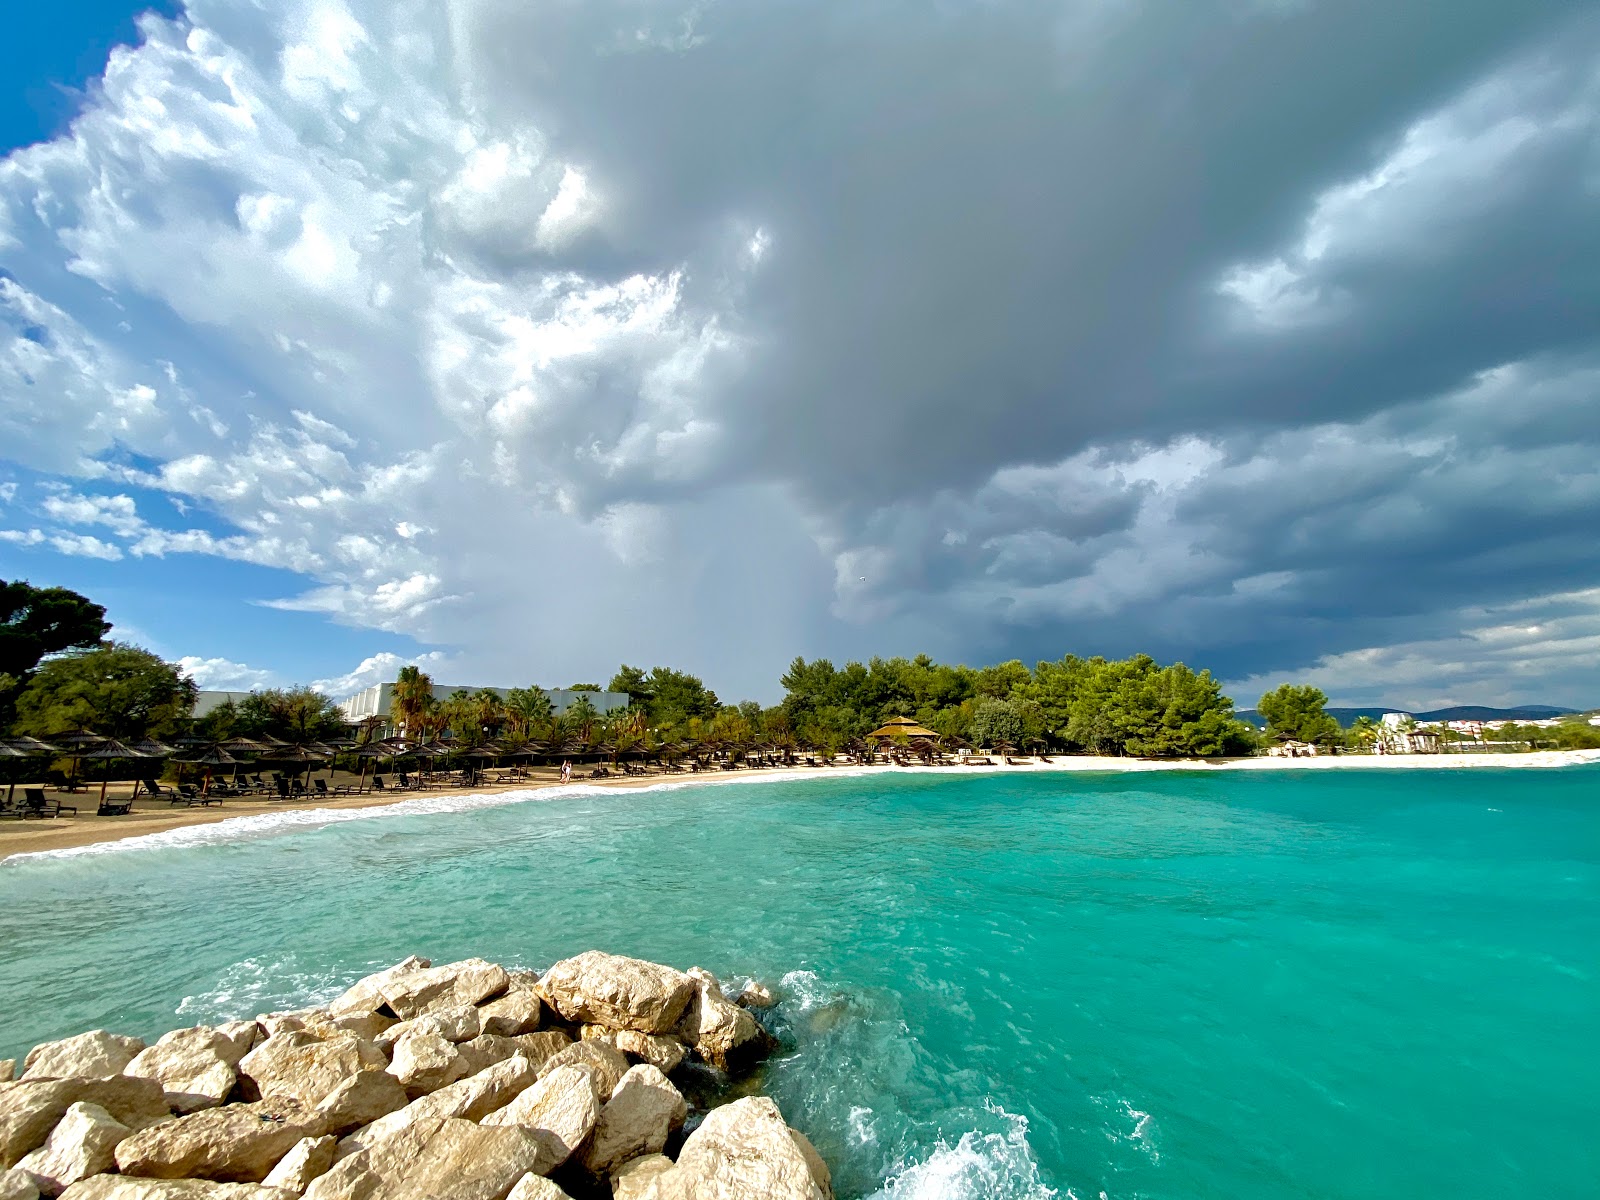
(566, 771)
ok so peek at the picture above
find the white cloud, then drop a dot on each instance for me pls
(380, 668)
(224, 675)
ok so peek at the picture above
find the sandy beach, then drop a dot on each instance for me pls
(155, 816)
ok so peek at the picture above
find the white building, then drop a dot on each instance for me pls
(378, 700)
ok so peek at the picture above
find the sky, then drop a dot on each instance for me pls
(523, 339)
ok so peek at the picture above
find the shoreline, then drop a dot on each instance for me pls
(28, 838)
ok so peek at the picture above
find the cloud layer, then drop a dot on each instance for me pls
(1260, 335)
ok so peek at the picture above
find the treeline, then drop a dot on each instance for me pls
(1132, 706)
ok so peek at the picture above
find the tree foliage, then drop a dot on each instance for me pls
(36, 622)
(117, 690)
(1298, 713)
(669, 697)
(295, 715)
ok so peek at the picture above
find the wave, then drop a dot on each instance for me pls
(258, 985)
(258, 825)
(980, 1166)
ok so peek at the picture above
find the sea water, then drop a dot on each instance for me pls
(1226, 984)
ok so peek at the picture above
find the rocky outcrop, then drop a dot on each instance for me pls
(755, 995)
(300, 1066)
(195, 1067)
(82, 1144)
(116, 1187)
(603, 1059)
(307, 1159)
(563, 1104)
(639, 1117)
(744, 1149)
(30, 1110)
(459, 1082)
(619, 993)
(93, 1055)
(722, 1033)
(519, 1011)
(8, 1070)
(423, 990)
(425, 1062)
(536, 1187)
(488, 1048)
(365, 997)
(236, 1144)
(472, 1099)
(360, 1100)
(651, 1177)
(665, 1054)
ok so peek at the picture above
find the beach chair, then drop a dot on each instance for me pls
(154, 788)
(10, 808)
(114, 808)
(36, 806)
(379, 786)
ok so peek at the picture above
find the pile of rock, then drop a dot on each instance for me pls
(458, 1082)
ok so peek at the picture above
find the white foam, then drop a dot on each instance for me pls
(980, 1166)
(255, 986)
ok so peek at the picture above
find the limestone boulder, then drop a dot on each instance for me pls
(8, 1070)
(451, 1159)
(639, 1117)
(371, 1026)
(365, 997)
(744, 1149)
(604, 1059)
(662, 1052)
(650, 1177)
(430, 989)
(360, 1100)
(191, 1065)
(239, 1143)
(488, 1048)
(755, 995)
(30, 1110)
(425, 1062)
(620, 993)
(117, 1187)
(82, 1144)
(300, 1066)
(536, 1187)
(307, 1159)
(235, 1039)
(722, 1033)
(15, 1185)
(458, 1023)
(563, 1104)
(520, 1010)
(93, 1055)
(471, 1099)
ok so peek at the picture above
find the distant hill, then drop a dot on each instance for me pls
(1461, 712)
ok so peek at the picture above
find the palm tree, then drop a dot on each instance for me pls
(1364, 732)
(413, 691)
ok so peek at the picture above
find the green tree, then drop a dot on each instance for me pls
(35, 622)
(633, 683)
(413, 693)
(526, 708)
(118, 690)
(996, 722)
(581, 711)
(293, 715)
(1298, 713)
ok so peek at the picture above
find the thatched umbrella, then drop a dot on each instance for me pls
(9, 751)
(108, 749)
(75, 745)
(211, 756)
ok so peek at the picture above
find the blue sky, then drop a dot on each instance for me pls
(526, 340)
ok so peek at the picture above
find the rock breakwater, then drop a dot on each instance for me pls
(465, 1081)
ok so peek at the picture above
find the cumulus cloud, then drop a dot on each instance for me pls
(224, 675)
(380, 668)
(559, 335)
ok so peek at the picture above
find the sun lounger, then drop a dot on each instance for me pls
(114, 808)
(36, 806)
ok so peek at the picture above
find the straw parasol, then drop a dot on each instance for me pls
(211, 756)
(75, 745)
(9, 751)
(108, 749)
(903, 727)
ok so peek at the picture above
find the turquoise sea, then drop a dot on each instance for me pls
(1229, 984)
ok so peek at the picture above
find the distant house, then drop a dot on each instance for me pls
(378, 700)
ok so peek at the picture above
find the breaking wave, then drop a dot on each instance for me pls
(979, 1166)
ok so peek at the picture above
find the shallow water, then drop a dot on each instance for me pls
(1244, 984)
